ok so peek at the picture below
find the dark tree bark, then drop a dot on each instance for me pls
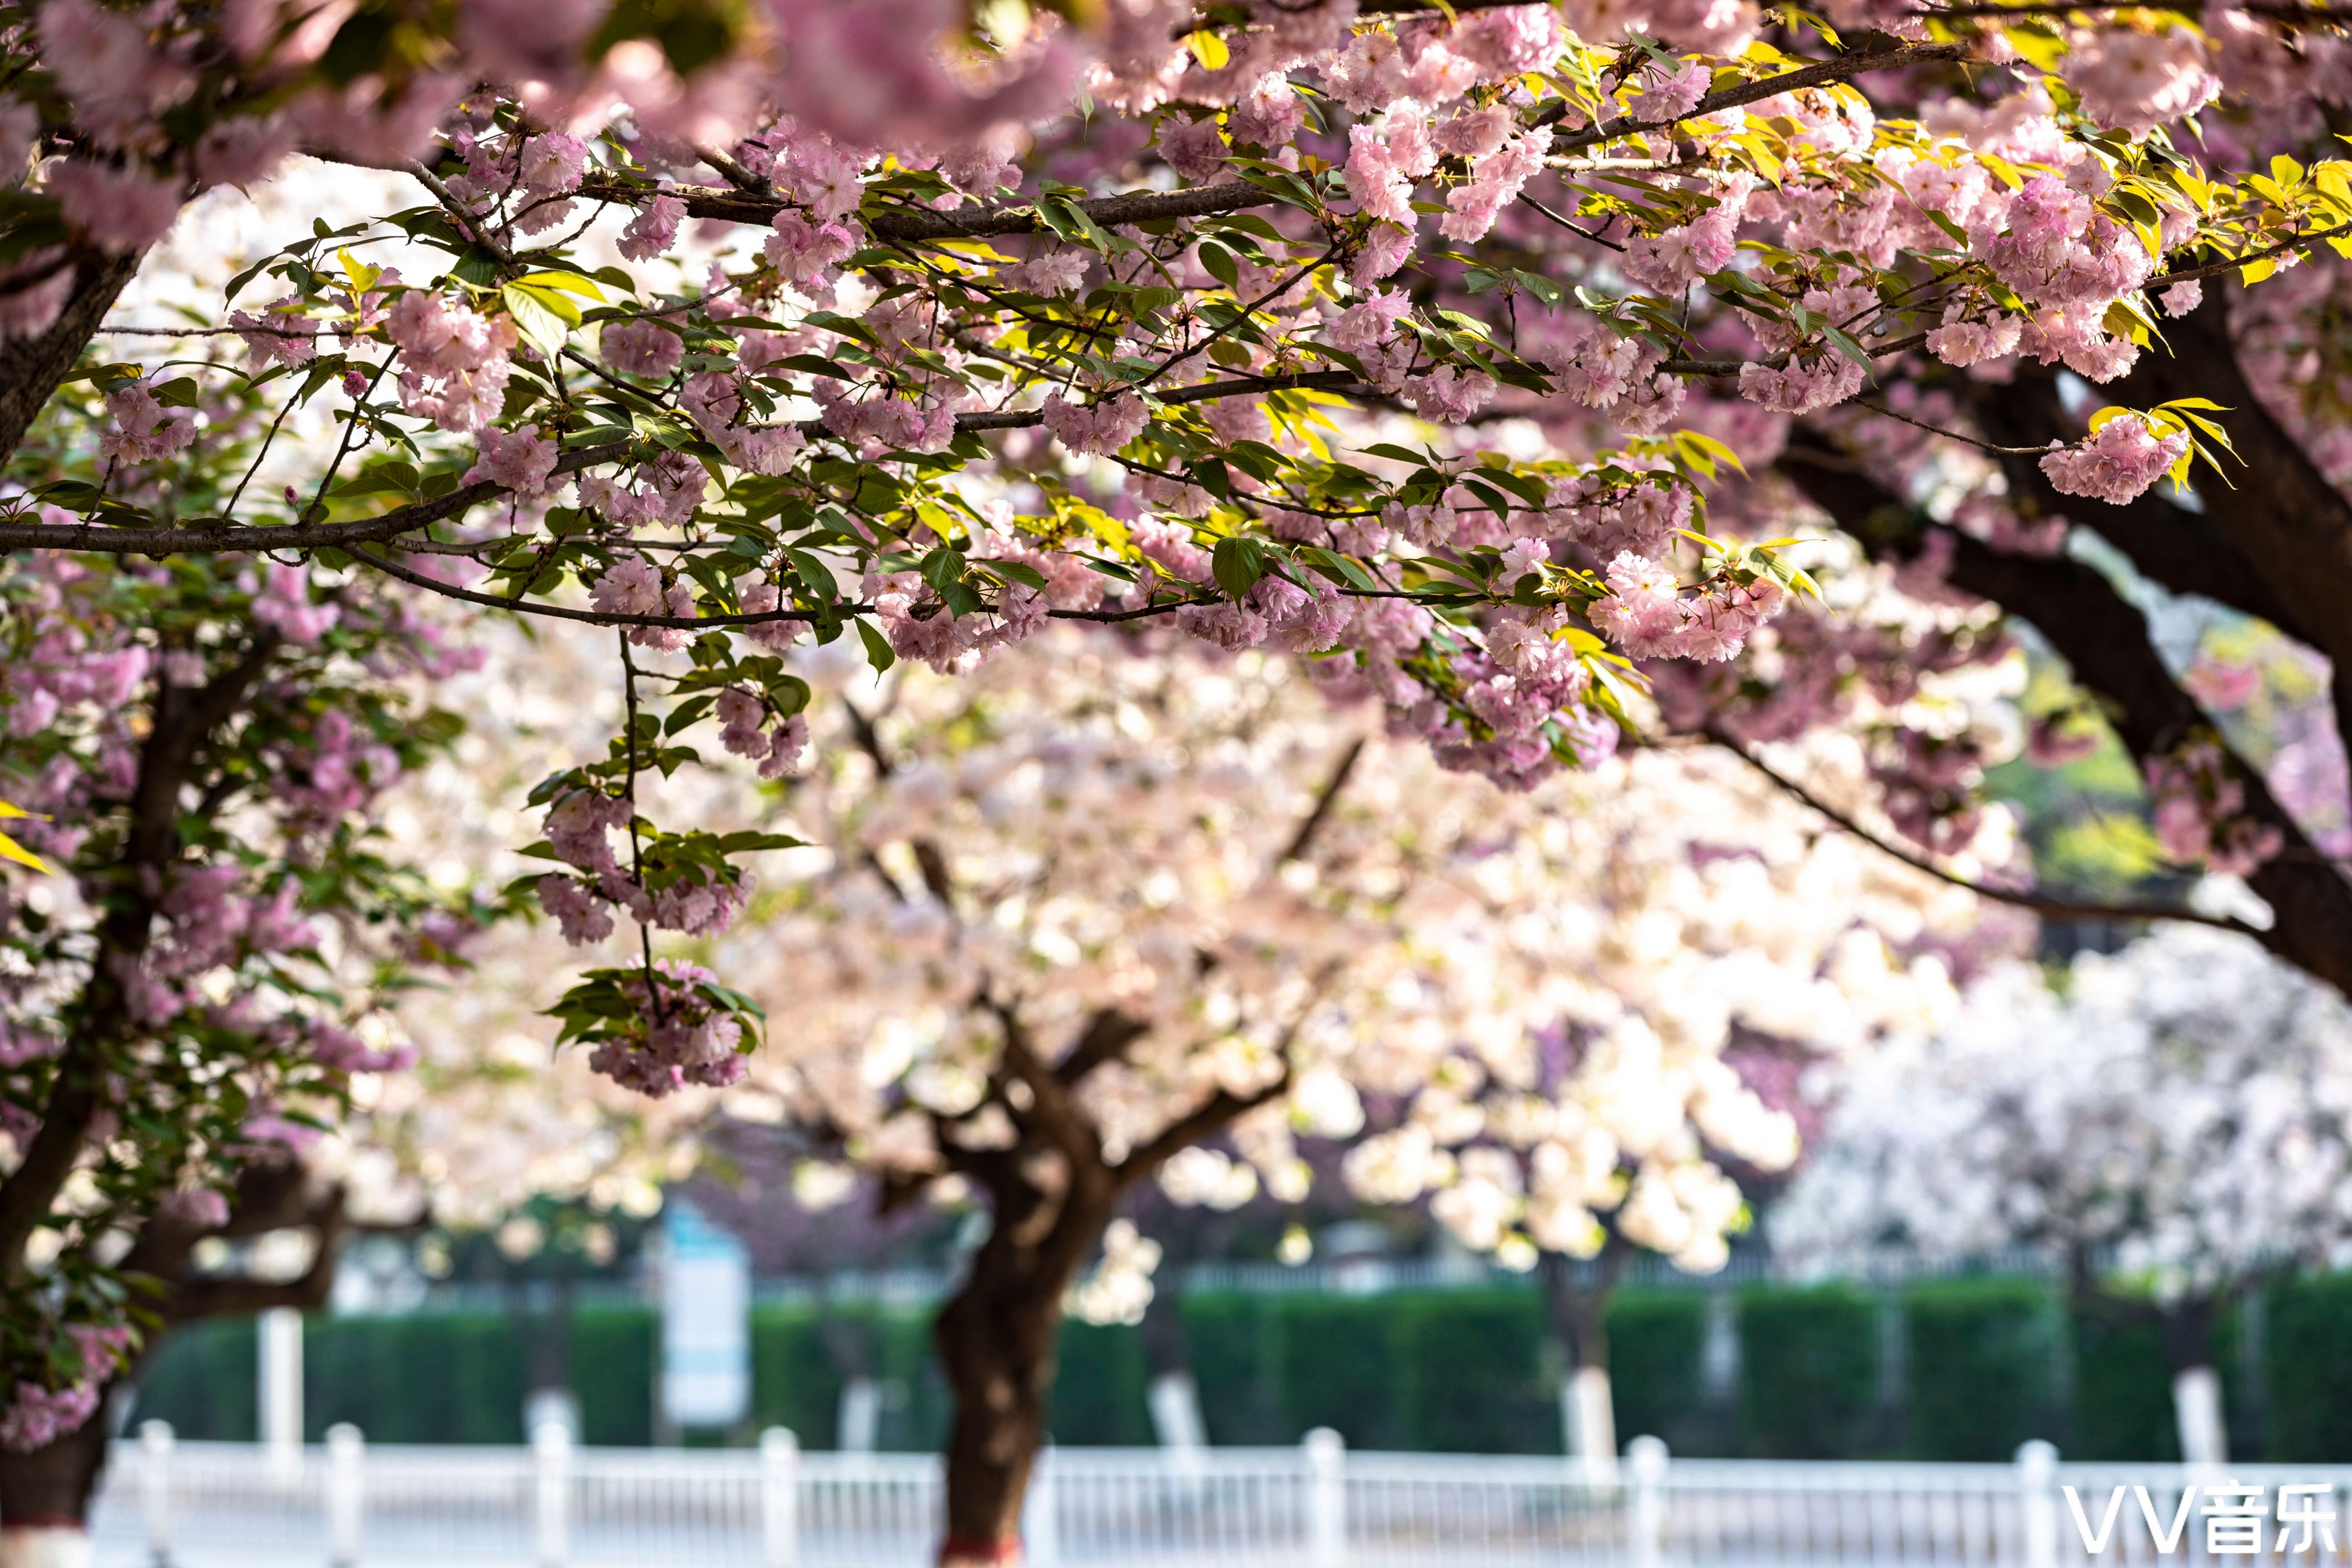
(182, 723)
(1051, 1195)
(1579, 1309)
(2104, 639)
(996, 1341)
(32, 369)
(51, 1487)
(2187, 1328)
(1167, 1348)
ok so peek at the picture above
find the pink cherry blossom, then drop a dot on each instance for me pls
(2117, 463)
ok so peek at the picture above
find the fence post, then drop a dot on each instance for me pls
(1645, 1523)
(155, 1489)
(1041, 1535)
(279, 1395)
(1326, 1498)
(346, 1496)
(551, 1463)
(2037, 1489)
(780, 1498)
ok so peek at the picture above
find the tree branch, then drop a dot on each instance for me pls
(2104, 639)
(1303, 840)
(2040, 904)
(32, 369)
(181, 722)
(1051, 1109)
(100, 539)
(1208, 1119)
(2170, 545)
(915, 224)
(1104, 1039)
(1818, 74)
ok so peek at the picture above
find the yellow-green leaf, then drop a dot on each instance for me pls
(12, 850)
(570, 282)
(1209, 49)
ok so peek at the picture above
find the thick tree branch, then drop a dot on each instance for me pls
(2180, 549)
(1204, 1121)
(2287, 522)
(2105, 640)
(1050, 1108)
(32, 369)
(1104, 1039)
(182, 721)
(915, 224)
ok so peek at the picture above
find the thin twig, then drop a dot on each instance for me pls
(2054, 908)
(1951, 435)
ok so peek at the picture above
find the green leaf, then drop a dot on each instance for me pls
(1238, 561)
(877, 648)
(1848, 347)
(1220, 263)
(738, 843)
(570, 282)
(942, 568)
(1019, 572)
(1339, 568)
(1699, 442)
(539, 323)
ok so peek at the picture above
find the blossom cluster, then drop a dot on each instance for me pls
(2116, 463)
(2182, 1103)
(2199, 812)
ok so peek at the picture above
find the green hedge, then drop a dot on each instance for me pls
(1473, 1374)
(1989, 1362)
(1985, 1367)
(1100, 1389)
(203, 1380)
(1658, 1340)
(2309, 1368)
(1809, 1371)
(1236, 1347)
(612, 1354)
(2123, 1392)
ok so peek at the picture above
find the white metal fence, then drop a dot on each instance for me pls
(343, 1504)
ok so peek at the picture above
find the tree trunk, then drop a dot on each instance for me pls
(849, 1344)
(1579, 1314)
(547, 1396)
(1173, 1398)
(44, 1498)
(2105, 641)
(2197, 1409)
(1580, 1323)
(996, 1344)
(31, 369)
(996, 1341)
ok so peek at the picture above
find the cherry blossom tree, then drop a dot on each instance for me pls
(197, 990)
(1714, 923)
(2176, 1125)
(256, 993)
(1086, 920)
(1487, 356)
(929, 391)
